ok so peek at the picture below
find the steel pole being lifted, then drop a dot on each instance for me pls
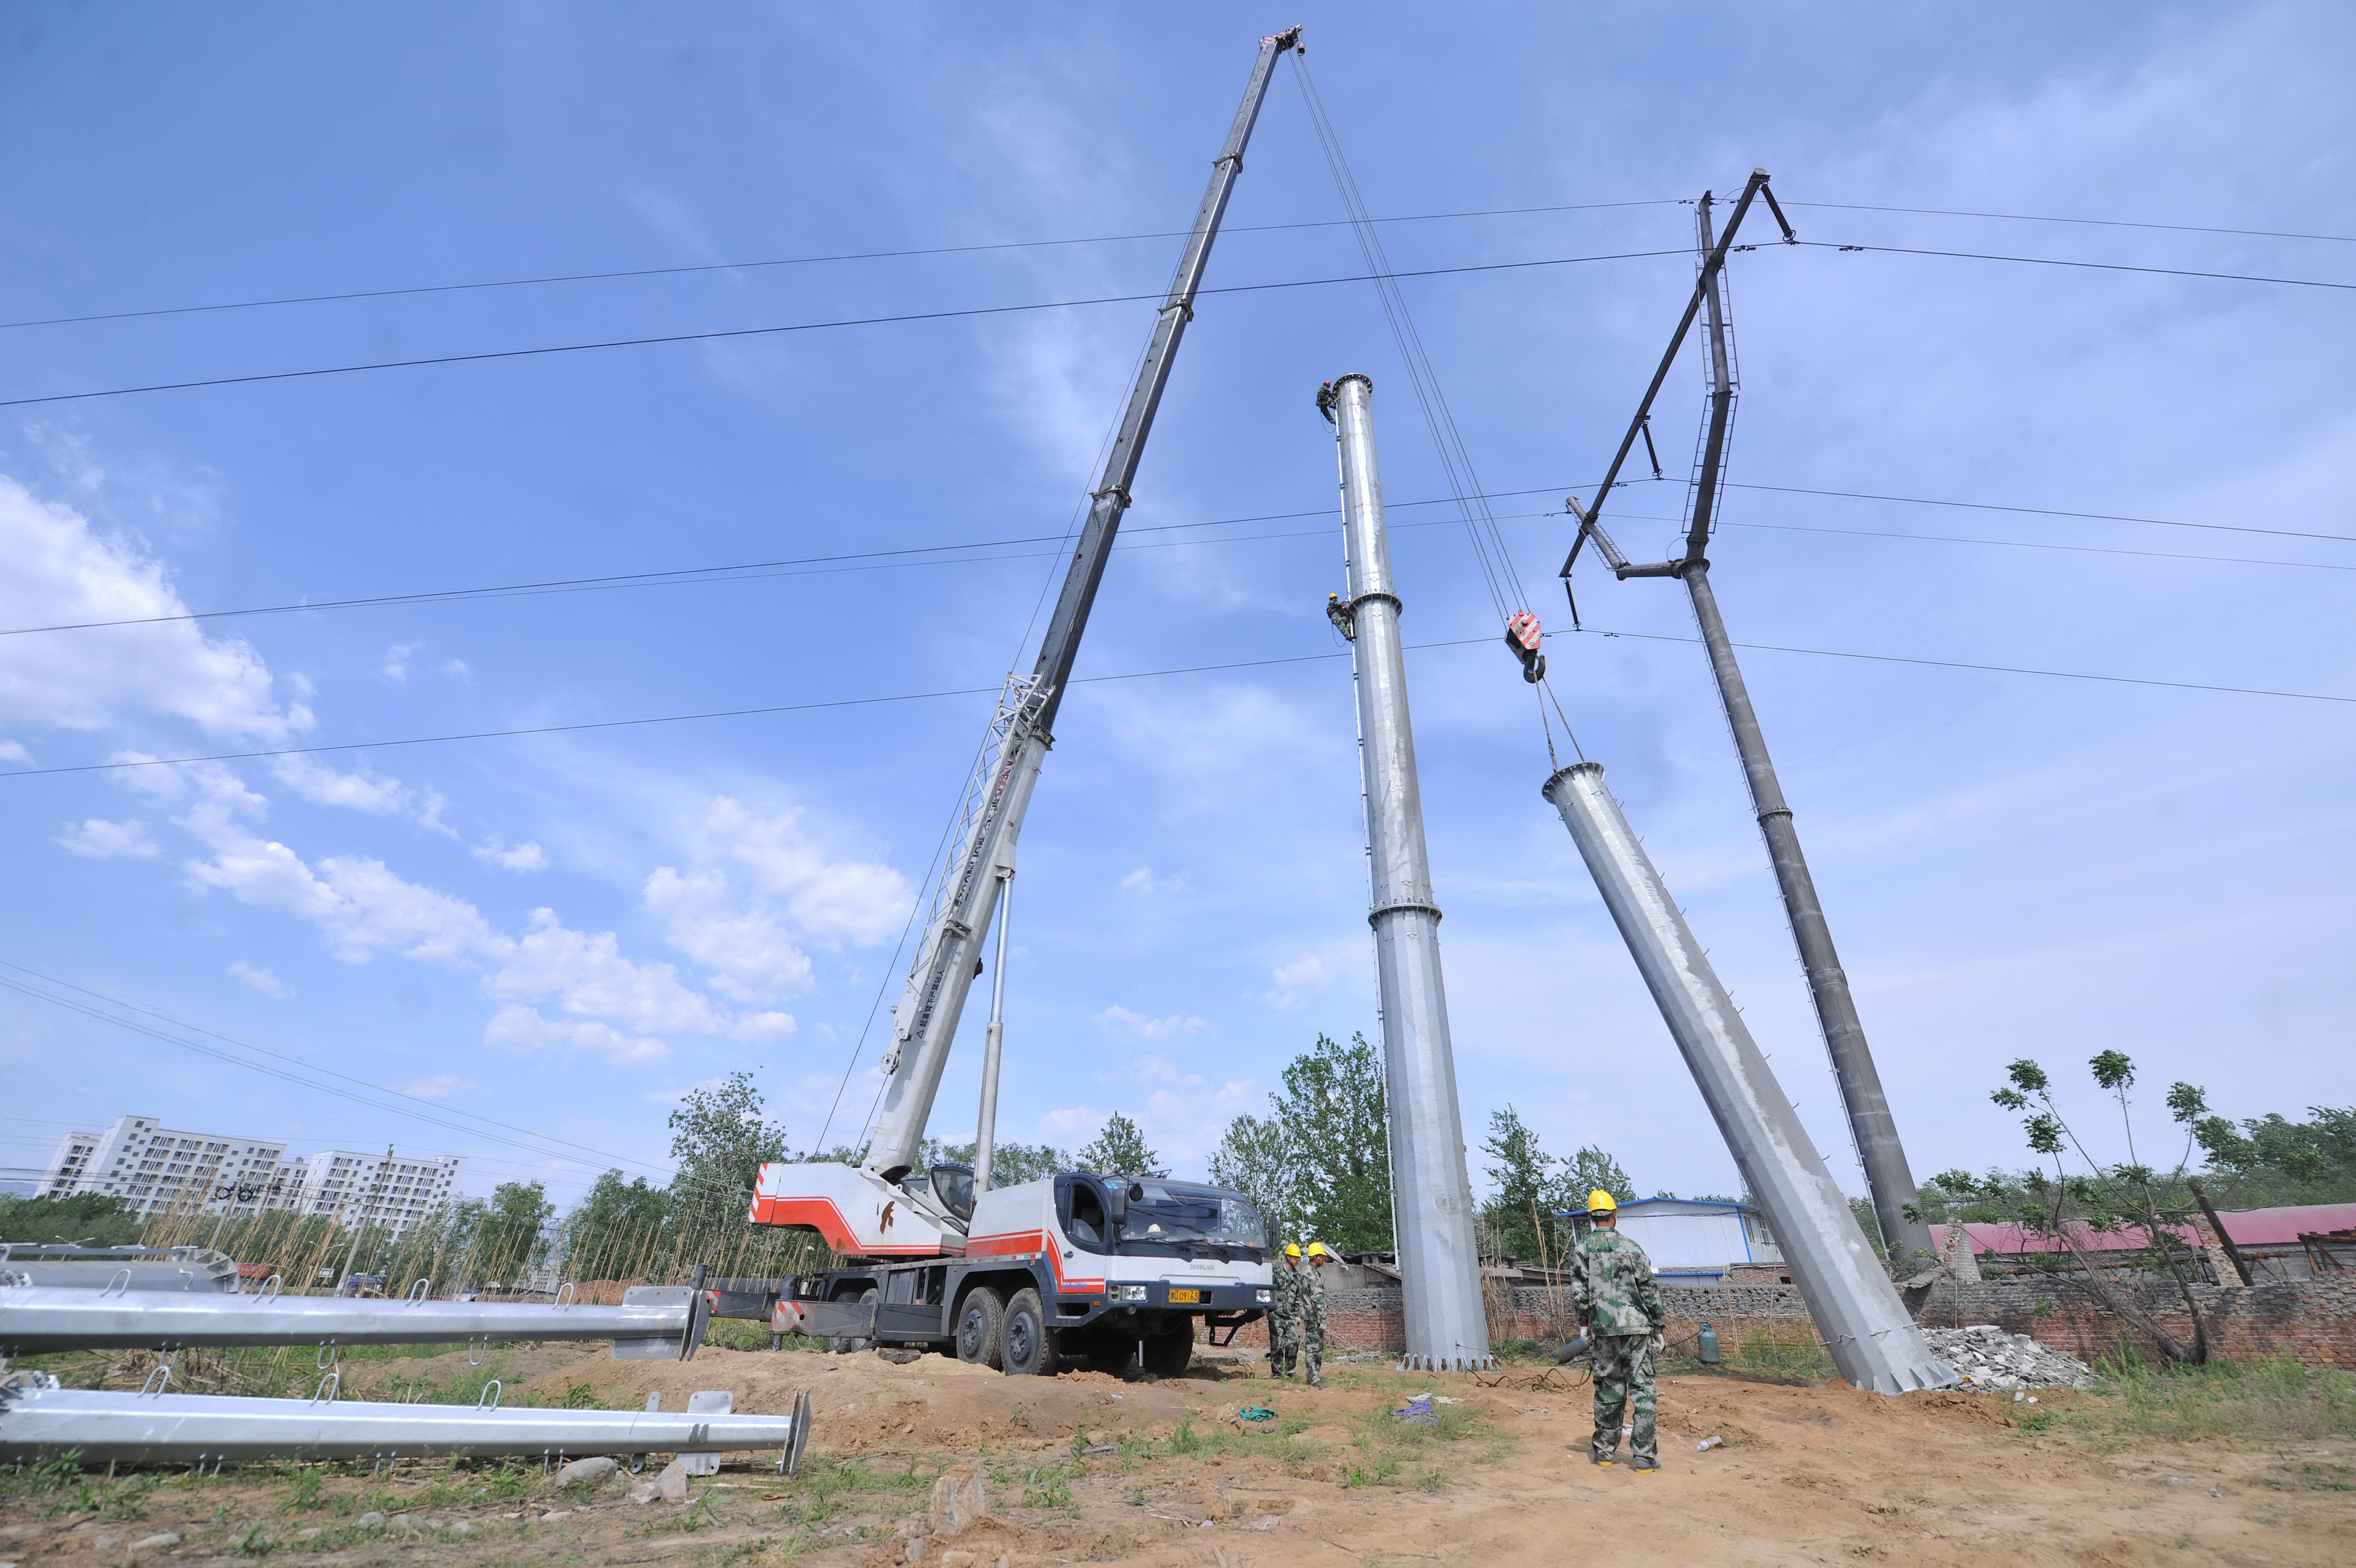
(985, 1132)
(1873, 1340)
(1431, 1196)
(1887, 1177)
(924, 1022)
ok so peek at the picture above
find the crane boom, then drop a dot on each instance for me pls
(925, 1021)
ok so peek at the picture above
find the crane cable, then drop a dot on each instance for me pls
(1494, 560)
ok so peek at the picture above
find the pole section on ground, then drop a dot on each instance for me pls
(1873, 1340)
(1431, 1197)
(1906, 1237)
(985, 1137)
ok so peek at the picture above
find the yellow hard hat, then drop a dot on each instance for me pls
(1602, 1202)
(1317, 1249)
(1293, 1249)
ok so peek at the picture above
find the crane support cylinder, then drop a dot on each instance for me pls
(1873, 1341)
(1431, 1197)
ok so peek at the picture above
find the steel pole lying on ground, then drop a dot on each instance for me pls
(1873, 1340)
(38, 1423)
(1440, 1264)
(38, 1321)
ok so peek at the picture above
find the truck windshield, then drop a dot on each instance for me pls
(1178, 1212)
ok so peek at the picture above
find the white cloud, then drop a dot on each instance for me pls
(522, 1030)
(523, 857)
(395, 667)
(829, 901)
(60, 573)
(1307, 973)
(1173, 1027)
(363, 791)
(439, 1087)
(744, 946)
(260, 979)
(100, 839)
(12, 752)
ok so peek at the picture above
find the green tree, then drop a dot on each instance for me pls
(509, 1240)
(1010, 1164)
(1594, 1169)
(91, 1218)
(2130, 1200)
(1256, 1158)
(1120, 1150)
(1523, 1175)
(720, 1141)
(1334, 1119)
(2273, 1160)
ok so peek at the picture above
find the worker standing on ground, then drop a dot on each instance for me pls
(1313, 1316)
(1620, 1307)
(1284, 1315)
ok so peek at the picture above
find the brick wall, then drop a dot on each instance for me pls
(2312, 1321)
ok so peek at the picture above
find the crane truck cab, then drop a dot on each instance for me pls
(1119, 1269)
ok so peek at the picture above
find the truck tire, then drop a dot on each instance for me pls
(1111, 1353)
(1031, 1349)
(981, 1332)
(1168, 1354)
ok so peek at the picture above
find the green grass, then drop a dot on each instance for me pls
(2275, 1399)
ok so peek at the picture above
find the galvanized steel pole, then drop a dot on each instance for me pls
(1873, 1340)
(1431, 1197)
(39, 1419)
(1887, 1176)
(42, 1320)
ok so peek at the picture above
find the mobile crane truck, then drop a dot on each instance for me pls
(1118, 1268)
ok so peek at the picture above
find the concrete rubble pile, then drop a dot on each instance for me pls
(1988, 1357)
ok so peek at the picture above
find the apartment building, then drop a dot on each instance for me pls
(159, 1169)
(387, 1189)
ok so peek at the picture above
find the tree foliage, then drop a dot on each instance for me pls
(2128, 1201)
(721, 1140)
(513, 1226)
(1531, 1187)
(1010, 1164)
(88, 1218)
(1120, 1150)
(1256, 1158)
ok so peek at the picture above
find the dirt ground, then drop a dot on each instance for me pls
(1085, 1467)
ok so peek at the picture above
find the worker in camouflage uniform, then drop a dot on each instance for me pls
(1313, 1316)
(1284, 1316)
(1620, 1307)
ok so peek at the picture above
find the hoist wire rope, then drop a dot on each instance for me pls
(1455, 456)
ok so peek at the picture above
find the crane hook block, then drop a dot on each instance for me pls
(1522, 635)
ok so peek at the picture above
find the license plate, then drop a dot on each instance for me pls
(1188, 1296)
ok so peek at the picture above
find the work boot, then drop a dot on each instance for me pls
(1644, 1466)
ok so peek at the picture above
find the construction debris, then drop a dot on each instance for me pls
(1988, 1357)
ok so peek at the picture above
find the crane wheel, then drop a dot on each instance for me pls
(1031, 1349)
(980, 1328)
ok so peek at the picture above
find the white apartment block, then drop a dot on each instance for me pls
(159, 1169)
(375, 1189)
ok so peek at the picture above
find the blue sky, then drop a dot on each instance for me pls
(566, 931)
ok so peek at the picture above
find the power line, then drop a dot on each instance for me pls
(769, 262)
(164, 1035)
(1992, 669)
(788, 262)
(2093, 222)
(489, 355)
(2095, 266)
(2050, 511)
(755, 569)
(1088, 680)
